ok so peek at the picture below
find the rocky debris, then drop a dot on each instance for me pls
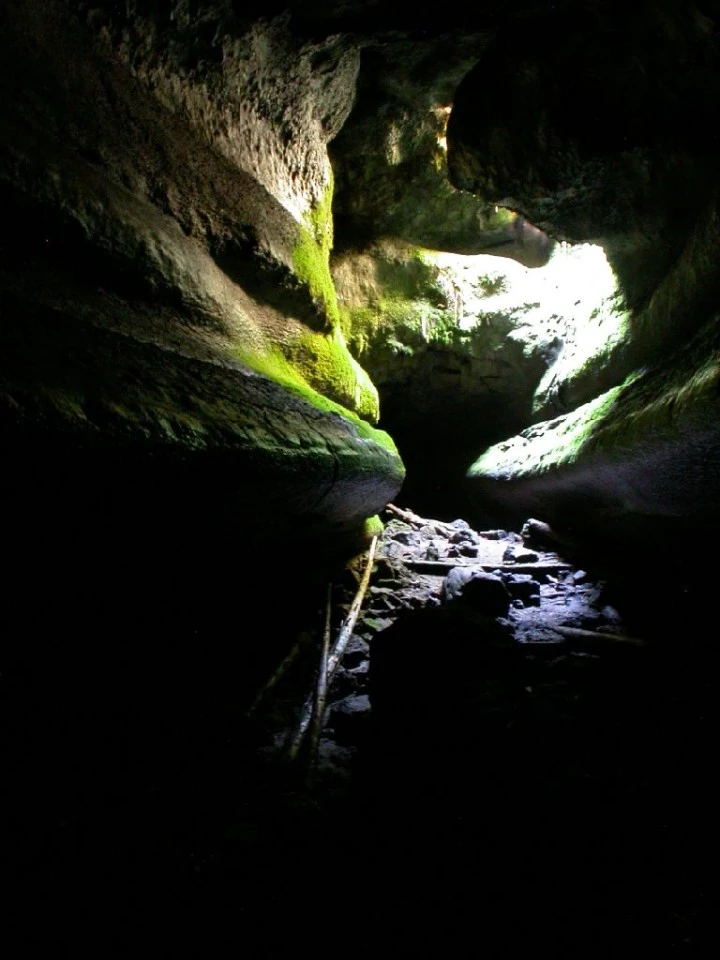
(514, 555)
(538, 534)
(524, 590)
(436, 632)
(348, 718)
(427, 663)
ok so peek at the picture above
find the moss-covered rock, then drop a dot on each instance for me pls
(649, 448)
(311, 257)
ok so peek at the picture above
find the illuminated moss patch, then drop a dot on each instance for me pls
(273, 364)
(650, 408)
(311, 256)
(326, 364)
(545, 445)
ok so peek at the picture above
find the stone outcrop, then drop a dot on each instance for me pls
(165, 276)
(626, 159)
(645, 453)
(628, 162)
(466, 351)
(390, 158)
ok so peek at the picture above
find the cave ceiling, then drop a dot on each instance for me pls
(181, 178)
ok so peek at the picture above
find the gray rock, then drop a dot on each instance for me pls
(357, 651)
(521, 586)
(349, 718)
(352, 705)
(376, 624)
(432, 552)
(484, 592)
(392, 549)
(525, 556)
(406, 537)
(462, 536)
(538, 534)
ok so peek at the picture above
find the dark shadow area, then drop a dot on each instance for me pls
(138, 621)
(497, 800)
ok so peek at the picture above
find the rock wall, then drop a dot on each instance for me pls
(165, 277)
(628, 161)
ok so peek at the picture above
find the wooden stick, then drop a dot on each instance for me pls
(574, 638)
(349, 625)
(409, 517)
(441, 567)
(575, 633)
(338, 651)
(320, 699)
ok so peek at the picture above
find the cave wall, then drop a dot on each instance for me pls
(628, 161)
(165, 278)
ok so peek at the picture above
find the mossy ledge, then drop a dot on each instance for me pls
(650, 407)
(248, 434)
(647, 447)
(297, 373)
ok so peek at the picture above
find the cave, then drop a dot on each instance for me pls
(384, 323)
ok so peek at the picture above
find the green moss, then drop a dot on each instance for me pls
(547, 445)
(402, 325)
(326, 364)
(273, 364)
(359, 327)
(492, 284)
(373, 527)
(412, 274)
(499, 217)
(311, 256)
(658, 399)
(649, 405)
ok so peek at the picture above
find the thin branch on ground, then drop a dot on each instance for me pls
(335, 657)
(321, 687)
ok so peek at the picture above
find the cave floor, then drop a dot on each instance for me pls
(484, 782)
(541, 779)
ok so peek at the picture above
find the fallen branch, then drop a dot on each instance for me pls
(575, 633)
(335, 657)
(349, 625)
(409, 517)
(442, 567)
(321, 687)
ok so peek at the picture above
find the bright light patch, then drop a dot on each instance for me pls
(574, 281)
(571, 308)
(442, 114)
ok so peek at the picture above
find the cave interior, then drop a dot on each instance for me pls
(286, 283)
